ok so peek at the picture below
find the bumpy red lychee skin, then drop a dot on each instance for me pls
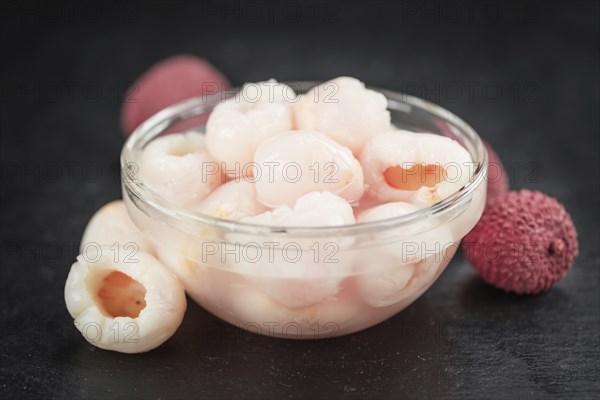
(497, 177)
(170, 81)
(524, 242)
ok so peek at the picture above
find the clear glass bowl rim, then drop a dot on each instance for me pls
(198, 105)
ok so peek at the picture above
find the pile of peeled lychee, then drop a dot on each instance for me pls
(524, 242)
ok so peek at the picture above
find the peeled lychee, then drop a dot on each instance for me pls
(170, 81)
(524, 242)
(497, 177)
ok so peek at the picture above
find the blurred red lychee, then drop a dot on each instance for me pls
(497, 177)
(168, 82)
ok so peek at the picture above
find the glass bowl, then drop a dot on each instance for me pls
(303, 282)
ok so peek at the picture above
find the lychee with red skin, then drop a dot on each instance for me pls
(497, 177)
(524, 242)
(169, 82)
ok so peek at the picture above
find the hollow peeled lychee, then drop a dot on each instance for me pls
(179, 168)
(497, 177)
(123, 301)
(170, 81)
(419, 168)
(524, 242)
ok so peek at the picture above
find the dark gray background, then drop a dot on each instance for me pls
(533, 69)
